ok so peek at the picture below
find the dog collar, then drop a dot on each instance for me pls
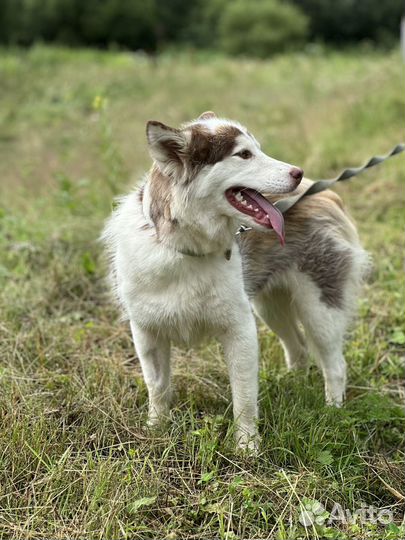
(191, 253)
(227, 253)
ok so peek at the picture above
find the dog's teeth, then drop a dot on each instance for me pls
(244, 202)
(256, 209)
(238, 196)
(250, 206)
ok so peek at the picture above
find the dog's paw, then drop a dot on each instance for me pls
(337, 404)
(247, 442)
(297, 362)
(337, 400)
(158, 419)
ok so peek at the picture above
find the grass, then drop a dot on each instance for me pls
(76, 459)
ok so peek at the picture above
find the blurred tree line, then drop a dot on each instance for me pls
(251, 27)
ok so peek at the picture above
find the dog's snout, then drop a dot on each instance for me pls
(297, 173)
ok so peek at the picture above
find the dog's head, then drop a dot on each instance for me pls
(219, 162)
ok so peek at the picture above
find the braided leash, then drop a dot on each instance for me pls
(285, 204)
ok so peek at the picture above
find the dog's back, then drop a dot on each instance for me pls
(321, 242)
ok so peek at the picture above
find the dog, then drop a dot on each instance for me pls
(180, 273)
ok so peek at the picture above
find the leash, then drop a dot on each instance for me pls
(285, 204)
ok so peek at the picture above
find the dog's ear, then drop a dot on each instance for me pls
(166, 145)
(207, 115)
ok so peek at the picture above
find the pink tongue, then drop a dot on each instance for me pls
(275, 217)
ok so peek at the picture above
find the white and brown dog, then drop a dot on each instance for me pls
(180, 273)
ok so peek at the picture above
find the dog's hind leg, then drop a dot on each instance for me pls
(154, 355)
(324, 327)
(276, 309)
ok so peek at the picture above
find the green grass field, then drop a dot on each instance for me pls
(76, 458)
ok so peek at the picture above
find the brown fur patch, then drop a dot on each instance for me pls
(160, 198)
(207, 148)
(309, 248)
(203, 147)
(140, 195)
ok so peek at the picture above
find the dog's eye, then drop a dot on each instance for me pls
(244, 154)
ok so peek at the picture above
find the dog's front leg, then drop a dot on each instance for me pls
(154, 355)
(241, 353)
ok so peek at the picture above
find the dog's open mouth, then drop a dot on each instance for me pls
(253, 204)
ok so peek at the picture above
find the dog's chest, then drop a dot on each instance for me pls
(187, 301)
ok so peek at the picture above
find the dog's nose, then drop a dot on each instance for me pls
(297, 173)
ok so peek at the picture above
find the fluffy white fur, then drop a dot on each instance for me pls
(170, 296)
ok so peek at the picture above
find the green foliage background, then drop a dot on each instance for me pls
(251, 27)
(261, 28)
